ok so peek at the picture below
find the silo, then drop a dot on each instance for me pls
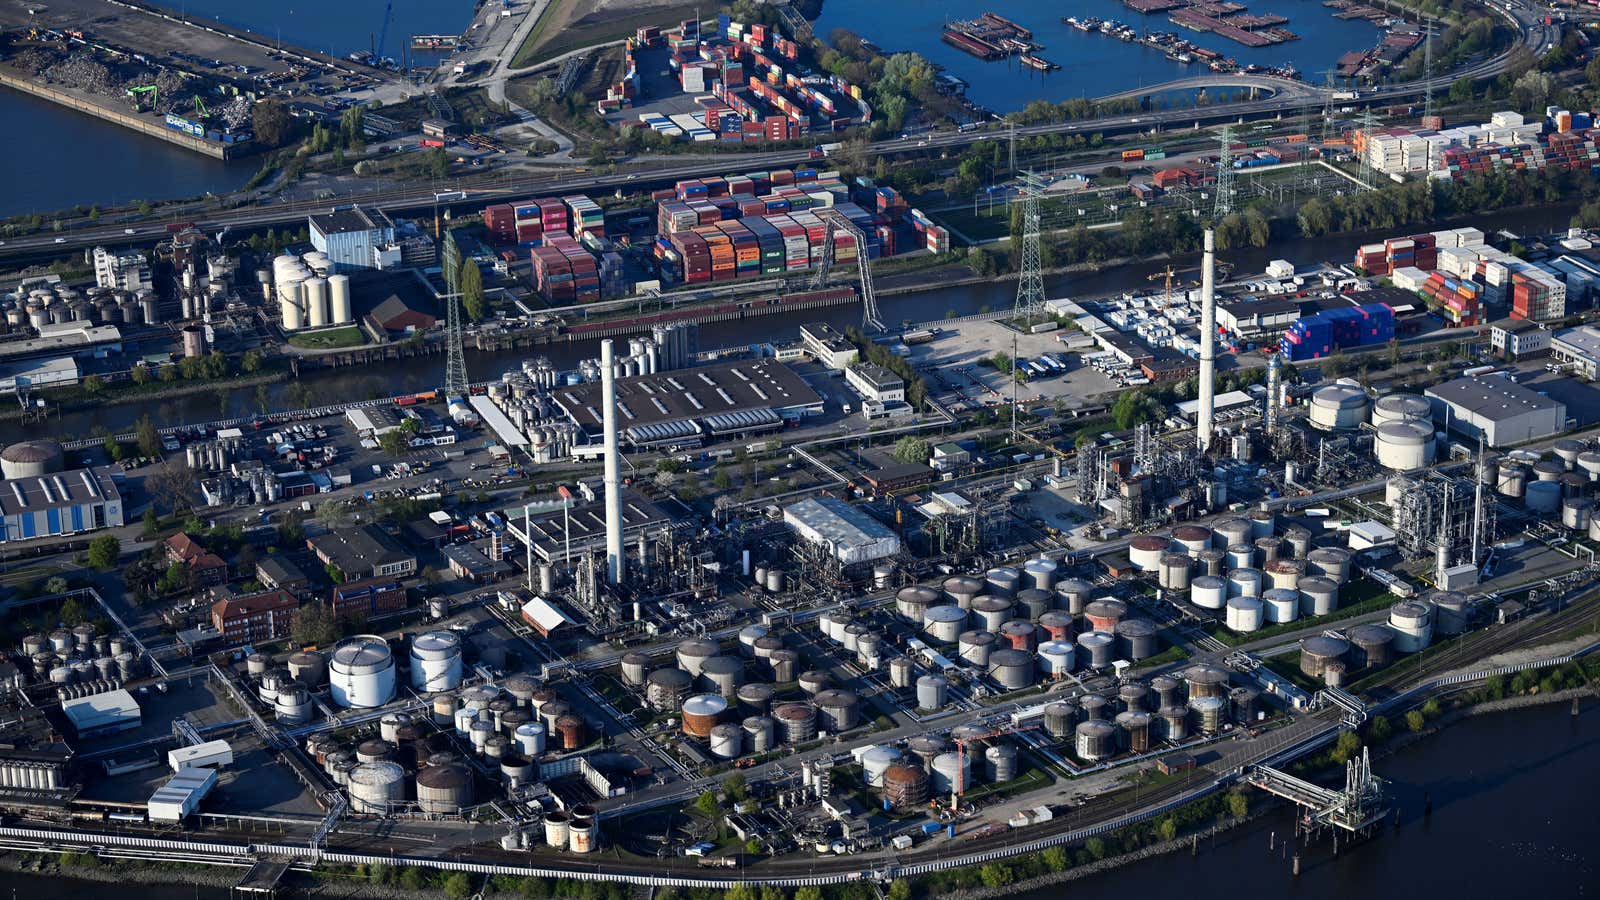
(361, 673)
(875, 763)
(149, 308)
(1173, 575)
(754, 698)
(944, 623)
(1033, 603)
(1245, 582)
(257, 664)
(316, 299)
(722, 675)
(1103, 615)
(1576, 513)
(1404, 446)
(760, 733)
(989, 612)
(1098, 648)
(726, 741)
(341, 312)
(1284, 573)
(951, 773)
(1136, 639)
(797, 722)
(813, 681)
(1244, 614)
(1133, 695)
(1338, 407)
(1211, 563)
(905, 787)
(377, 787)
(1191, 539)
(1056, 658)
(556, 827)
(194, 341)
(1003, 581)
(1133, 731)
(911, 601)
(1372, 646)
(1145, 551)
(1074, 594)
(436, 661)
(1209, 713)
(748, 636)
(1589, 463)
(1412, 621)
(1059, 718)
(531, 738)
(931, 691)
(665, 689)
(766, 645)
(784, 665)
(961, 589)
(1281, 605)
(1172, 723)
(1451, 612)
(1329, 562)
(635, 668)
(479, 733)
(900, 671)
(703, 712)
(1317, 652)
(1057, 625)
(1011, 669)
(443, 790)
(1319, 595)
(1040, 574)
(1401, 407)
(1206, 681)
(293, 705)
(1168, 691)
(1095, 740)
(1000, 763)
(694, 651)
(838, 711)
(852, 636)
(1208, 592)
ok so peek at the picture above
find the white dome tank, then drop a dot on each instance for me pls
(436, 661)
(1338, 407)
(1404, 446)
(1244, 614)
(317, 302)
(361, 673)
(1401, 408)
(339, 297)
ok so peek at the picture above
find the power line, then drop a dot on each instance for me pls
(455, 367)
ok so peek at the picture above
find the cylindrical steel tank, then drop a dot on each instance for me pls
(1098, 648)
(1401, 408)
(988, 612)
(1133, 731)
(1412, 621)
(1298, 537)
(1171, 723)
(1003, 581)
(1095, 740)
(1191, 539)
(436, 661)
(665, 689)
(1095, 706)
(1371, 646)
(784, 665)
(1404, 446)
(695, 651)
(975, 646)
(572, 731)
(952, 772)
(1284, 574)
(1019, 634)
(361, 673)
(1338, 407)
(755, 698)
(1133, 695)
(1033, 603)
(838, 711)
(900, 669)
(1511, 479)
(1059, 718)
(797, 722)
(1057, 625)
(308, 667)
(1145, 551)
(722, 675)
(1208, 592)
(1244, 614)
(1232, 531)
(1281, 605)
(1543, 497)
(944, 623)
(726, 741)
(875, 764)
(531, 739)
(814, 681)
(702, 712)
(376, 787)
(1317, 652)
(910, 602)
(443, 790)
(1319, 595)
(1245, 582)
(760, 733)
(635, 668)
(1244, 702)
(1103, 615)
(1136, 639)
(1174, 571)
(1168, 691)
(931, 692)
(1576, 513)
(556, 828)
(905, 786)
(1548, 469)
(961, 589)
(1452, 613)
(1011, 669)
(1209, 713)
(1056, 658)
(1074, 594)
(1000, 763)
(1206, 681)
(1040, 574)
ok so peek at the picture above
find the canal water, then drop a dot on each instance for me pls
(336, 385)
(1512, 817)
(337, 28)
(1092, 64)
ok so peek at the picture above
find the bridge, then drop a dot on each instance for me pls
(1355, 711)
(1264, 85)
(1360, 805)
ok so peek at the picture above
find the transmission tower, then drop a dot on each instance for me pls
(1327, 107)
(1225, 173)
(1369, 124)
(1427, 67)
(1030, 280)
(455, 367)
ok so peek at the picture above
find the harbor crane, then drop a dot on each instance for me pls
(383, 33)
(137, 93)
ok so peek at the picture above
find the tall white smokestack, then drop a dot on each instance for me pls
(613, 474)
(1208, 339)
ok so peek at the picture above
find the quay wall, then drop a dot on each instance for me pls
(155, 128)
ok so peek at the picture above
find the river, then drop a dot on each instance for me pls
(1511, 818)
(1092, 64)
(335, 385)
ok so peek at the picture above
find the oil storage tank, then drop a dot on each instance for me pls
(1412, 621)
(910, 602)
(1338, 407)
(1404, 446)
(1097, 648)
(1012, 669)
(376, 788)
(436, 661)
(444, 790)
(944, 623)
(361, 672)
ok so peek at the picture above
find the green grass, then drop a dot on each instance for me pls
(330, 339)
(556, 33)
(1172, 654)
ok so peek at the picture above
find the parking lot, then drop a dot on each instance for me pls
(957, 373)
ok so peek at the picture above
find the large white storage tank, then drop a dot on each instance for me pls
(436, 661)
(1404, 446)
(1401, 408)
(339, 296)
(317, 302)
(361, 673)
(376, 787)
(1338, 407)
(291, 306)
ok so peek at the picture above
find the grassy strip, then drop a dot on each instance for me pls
(333, 338)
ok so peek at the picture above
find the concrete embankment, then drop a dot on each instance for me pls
(149, 125)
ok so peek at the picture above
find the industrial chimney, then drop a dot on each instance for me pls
(613, 471)
(1208, 339)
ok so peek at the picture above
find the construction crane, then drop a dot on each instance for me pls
(200, 108)
(137, 93)
(1166, 275)
(383, 33)
(957, 788)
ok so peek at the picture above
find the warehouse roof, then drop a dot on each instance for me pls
(679, 399)
(98, 712)
(357, 551)
(351, 219)
(1493, 398)
(374, 419)
(1585, 340)
(73, 487)
(835, 521)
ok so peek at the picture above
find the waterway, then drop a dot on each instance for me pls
(1092, 64)
(1511, 818)
(932, 305)
(338, 28)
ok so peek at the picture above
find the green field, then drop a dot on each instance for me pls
(564, 26)
(330, 339)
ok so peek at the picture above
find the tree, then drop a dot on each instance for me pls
(471, 284)
(1345, 749)
(333, 515)
(1416, 721)
(250, 363)
(335, 574)
(314, 626)
(438, 163)
(1431, 709)
(94, 384)
(271, 122)
(172, 485)
(56, 585)
(70, 612)
(1055, 859)
(735, 786)
(113, 447)
(911, 449)
(104, 551)
(722, 480)
(1167, 828)
(1238, 805)
(148, 437)
(706, 804)
(457, 886)
(1379, 729)
(140, 374)
(394, 443)
(1096, 847)
(808, 892)
(995, 875)
(899, 889)
(152, 522)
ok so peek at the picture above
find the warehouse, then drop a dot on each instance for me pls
(582, 529)
(363, 552)
(102, 714)
(850, 534)
(1504, 412)
(211, 754)
(1580, 348)
(688, 407)
(180, 797)
(70, 502)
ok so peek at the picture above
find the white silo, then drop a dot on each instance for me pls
(436, 661)
(339, 296)
(361, 673)
(317, 302)
(291, 305)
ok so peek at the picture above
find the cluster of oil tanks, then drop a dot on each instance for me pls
(1242, 570)
(56, 304)
(1412, 625)
(1016, 624)
(1137, 716)
(1562, 484)
(525, 398)
(307, 295)
(1403, 435)
(78, 662)
(929, 765)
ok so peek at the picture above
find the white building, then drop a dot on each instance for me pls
(1578, 347)
(180, 797)
(1519, 338)
(211, 754)
(355, 238)
(874, 382)
(827, 346)
(850, 535)
(1504, 412)
(125, 270)
(101, 714)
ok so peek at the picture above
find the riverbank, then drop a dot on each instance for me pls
(99, 108)
(77, 400)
